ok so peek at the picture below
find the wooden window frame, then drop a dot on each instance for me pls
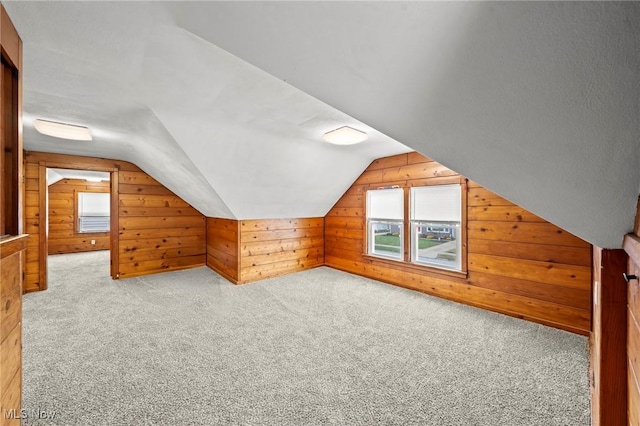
(406, 262)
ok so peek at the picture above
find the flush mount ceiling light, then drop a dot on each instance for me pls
(344, 136)
(63, 130)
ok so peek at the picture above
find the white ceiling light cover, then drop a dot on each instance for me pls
(62, 130)
(345, 136)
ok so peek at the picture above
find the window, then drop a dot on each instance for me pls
(385, 223)
(436, 215)
(93, 211)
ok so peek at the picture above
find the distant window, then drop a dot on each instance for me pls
(93, 211)
(385, 222)
(436, 214)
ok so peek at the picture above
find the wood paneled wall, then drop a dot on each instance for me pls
(158, 231)
(518, 264)
(12, 243)
(274, 247)
(11, 263)
(63, 218)
(223, 239)
(632, 249)
(250, 250)
(155, 230)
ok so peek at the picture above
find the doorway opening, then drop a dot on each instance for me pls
(79, 218)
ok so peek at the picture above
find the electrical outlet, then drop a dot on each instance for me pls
(93, 242)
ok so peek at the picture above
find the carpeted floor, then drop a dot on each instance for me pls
(317, 347)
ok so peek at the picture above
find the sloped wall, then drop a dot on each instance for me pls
(517, 263)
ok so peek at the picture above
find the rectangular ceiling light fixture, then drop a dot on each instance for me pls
(62, 130)
(344, 136)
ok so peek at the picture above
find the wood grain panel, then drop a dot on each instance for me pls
(415, 171)
(576, 297)
(158, 222)
(279, 234)
(518, 264)
(156, 254)
(223, 239)
(502, 214)
(482, 197)
(141, 212)
(143, 189)
(526, 232)
(546, 272)
(134, 200)
(579, 256)
(137, 178)
(270, 248)
(143, 267)
(389, 162)
(162, 243)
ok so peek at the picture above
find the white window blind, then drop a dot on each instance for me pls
(386, 204)
(93, 204)
(440, 203)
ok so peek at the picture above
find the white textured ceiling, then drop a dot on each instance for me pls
(223, 101)
(226, 136)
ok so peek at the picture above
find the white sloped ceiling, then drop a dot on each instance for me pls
(226, 136)
(225, 102)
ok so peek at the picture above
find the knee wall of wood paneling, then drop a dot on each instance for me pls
(249, 250)
(156, 230)
(517, 263)
(63, 218)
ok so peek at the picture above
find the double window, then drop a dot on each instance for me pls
(434, 232)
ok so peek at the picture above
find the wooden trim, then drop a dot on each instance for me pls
(43, 244)
(114, 246)
(239, 252)
(12, 244)
(406, 240)
(631, 246)
(464, 238)
(407, 229)
(21, 186)
(10, 40)
(417, 268)
(76, 162)
(609, 339)
(636, 225)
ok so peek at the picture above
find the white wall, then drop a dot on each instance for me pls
(537, 101)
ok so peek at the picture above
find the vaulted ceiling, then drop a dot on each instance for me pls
(225, 102)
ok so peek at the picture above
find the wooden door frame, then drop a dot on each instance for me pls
(43, 190)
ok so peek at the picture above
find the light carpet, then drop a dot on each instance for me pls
(312, 348)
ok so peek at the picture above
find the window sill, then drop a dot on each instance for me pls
(416, 267)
